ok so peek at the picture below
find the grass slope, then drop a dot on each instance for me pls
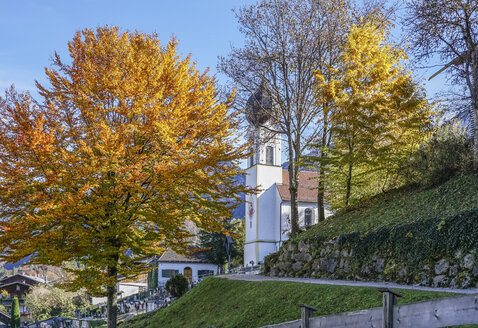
(401, 206)
(224, 303)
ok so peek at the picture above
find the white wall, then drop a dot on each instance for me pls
(180, 267)
(263, 138)
(130, 288)
(285, 217)
(260, 234)
(268, 211)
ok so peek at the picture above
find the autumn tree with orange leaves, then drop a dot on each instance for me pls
(129, 143)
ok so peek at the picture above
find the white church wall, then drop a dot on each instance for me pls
(249, 253)
(285, 217)
(264, 250)
(302, 207)
(327, 211)
(251, 205)
(268, 175)
(262, 139)
(251, 176)
(285, 222)
(272, 210)
(268, 213)
(278, 219)
(260, 235)
(180, 266)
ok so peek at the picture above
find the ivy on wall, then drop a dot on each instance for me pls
(420, 241)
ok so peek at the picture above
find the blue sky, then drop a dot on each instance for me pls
(32, 30)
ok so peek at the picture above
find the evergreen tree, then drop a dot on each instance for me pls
(15, 314)
(155, 276)
(215, 243)
(150, 279)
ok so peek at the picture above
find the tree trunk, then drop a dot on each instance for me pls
(321, 187)
(112, 294)
(349, 185)
(320, 197)
(294, 212)
(474, 100)
(475, 133)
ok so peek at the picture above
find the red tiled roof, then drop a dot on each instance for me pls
(307, 191)
(306, 178)
(307, 195)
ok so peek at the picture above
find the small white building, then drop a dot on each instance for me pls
(124, 289)
(194, 267)
(268, 211)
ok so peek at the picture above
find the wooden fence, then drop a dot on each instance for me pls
(442, 312)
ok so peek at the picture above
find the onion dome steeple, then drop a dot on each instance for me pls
(259, 107)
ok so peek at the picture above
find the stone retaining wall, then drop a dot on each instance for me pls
(319, 259)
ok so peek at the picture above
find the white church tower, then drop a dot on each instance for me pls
(268, 211)
(263, 171)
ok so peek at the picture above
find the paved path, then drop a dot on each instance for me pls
(253, 277)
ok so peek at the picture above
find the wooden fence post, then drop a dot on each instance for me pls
(306, 313)
(389, 299)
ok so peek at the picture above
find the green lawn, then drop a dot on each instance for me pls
(401, 206)
(219, 302)
(224, 303)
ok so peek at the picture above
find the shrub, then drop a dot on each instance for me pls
(96, 323)
(445, 154)
(45, 302)
(177, 285)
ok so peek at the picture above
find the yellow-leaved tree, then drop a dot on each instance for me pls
(129, 143)
(377, 114)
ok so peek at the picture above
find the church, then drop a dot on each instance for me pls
(267, 219)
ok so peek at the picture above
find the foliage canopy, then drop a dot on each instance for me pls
(285, 42)
(377, 114)
(130, 143)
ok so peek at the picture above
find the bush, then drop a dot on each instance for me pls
(177, 285)
(96, 323)
(46, 302)
(445, 154)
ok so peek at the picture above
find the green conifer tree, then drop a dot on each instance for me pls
(155, 276)
(150, 279)
(15, 314)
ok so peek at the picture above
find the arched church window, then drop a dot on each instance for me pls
(269, 155)
(308, 217)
